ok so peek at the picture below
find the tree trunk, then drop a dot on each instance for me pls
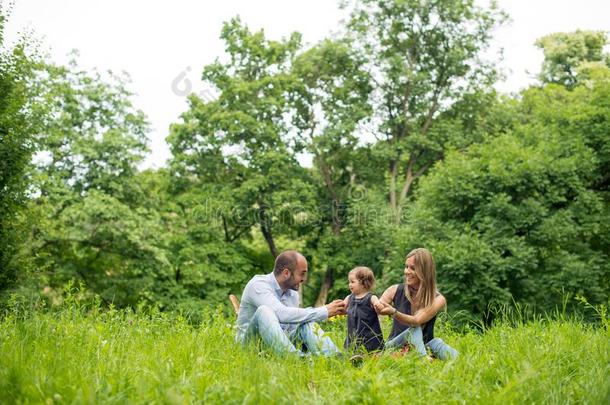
(226, 229)
(266, 230)
(393, 174)
(269, 239)
(409, 179)
(405, 190)
(327, 283)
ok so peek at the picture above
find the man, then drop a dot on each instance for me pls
(270, 309)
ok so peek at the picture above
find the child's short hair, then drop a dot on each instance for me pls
(365, 276)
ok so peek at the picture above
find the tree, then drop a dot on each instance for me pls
(566, 53)
(423, 58)
(93, 137)
(238, 147)
(92, 224)
(524, 216)
(202, 268)
(19, 120)
(331, 100)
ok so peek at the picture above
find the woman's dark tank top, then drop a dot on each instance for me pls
(363, 329)
(402, 304)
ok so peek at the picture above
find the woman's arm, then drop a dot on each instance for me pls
(423, 315)
(388, 295)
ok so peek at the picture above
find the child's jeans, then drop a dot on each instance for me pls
(415, 337)
(266, 325)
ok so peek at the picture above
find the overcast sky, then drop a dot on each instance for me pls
(164, 45)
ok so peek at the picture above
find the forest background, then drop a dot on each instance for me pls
(411, 146)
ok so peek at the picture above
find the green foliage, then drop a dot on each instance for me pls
(109, 246)
(77, 355)
(331, 102)
(237, 149)
(513, 199)
(204, 264)
(91, 224)
(93, 137)
(525, 216)
(567, 53)
(18, 124)
(424, 59)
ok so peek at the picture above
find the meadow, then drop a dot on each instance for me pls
(86, 355)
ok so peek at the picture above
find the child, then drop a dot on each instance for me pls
(414, 305)
(363, 329)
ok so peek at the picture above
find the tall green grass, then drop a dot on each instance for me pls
(92, 356)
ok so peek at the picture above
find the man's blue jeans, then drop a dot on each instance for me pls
(414, 336)
(266, 325)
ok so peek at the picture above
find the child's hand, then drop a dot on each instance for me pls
(379, 305)
(383, 309)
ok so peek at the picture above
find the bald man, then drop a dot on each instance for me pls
(270, 309)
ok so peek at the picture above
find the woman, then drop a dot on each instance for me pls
(414, 305)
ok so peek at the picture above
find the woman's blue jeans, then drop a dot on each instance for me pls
(266, 325)
(414, 336)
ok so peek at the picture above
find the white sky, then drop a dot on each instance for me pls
(164, 45)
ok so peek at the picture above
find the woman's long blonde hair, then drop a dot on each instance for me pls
(425, 269)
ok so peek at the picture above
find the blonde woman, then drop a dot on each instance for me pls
(413, 305)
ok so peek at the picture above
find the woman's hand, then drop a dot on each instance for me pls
(384, 300)
(379, 306)
(423, 315)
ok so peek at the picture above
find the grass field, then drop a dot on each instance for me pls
(77, 356)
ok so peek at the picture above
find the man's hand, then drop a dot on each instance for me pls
(337, 307)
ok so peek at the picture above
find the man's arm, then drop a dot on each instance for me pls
(263, 294)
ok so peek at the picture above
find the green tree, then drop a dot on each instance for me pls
(19, 120)
(525, 215)
(93, 137)
(566, 53)
(238, 148)
(203, 268)
(331, 102)
(92, 224)
(423, 58)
